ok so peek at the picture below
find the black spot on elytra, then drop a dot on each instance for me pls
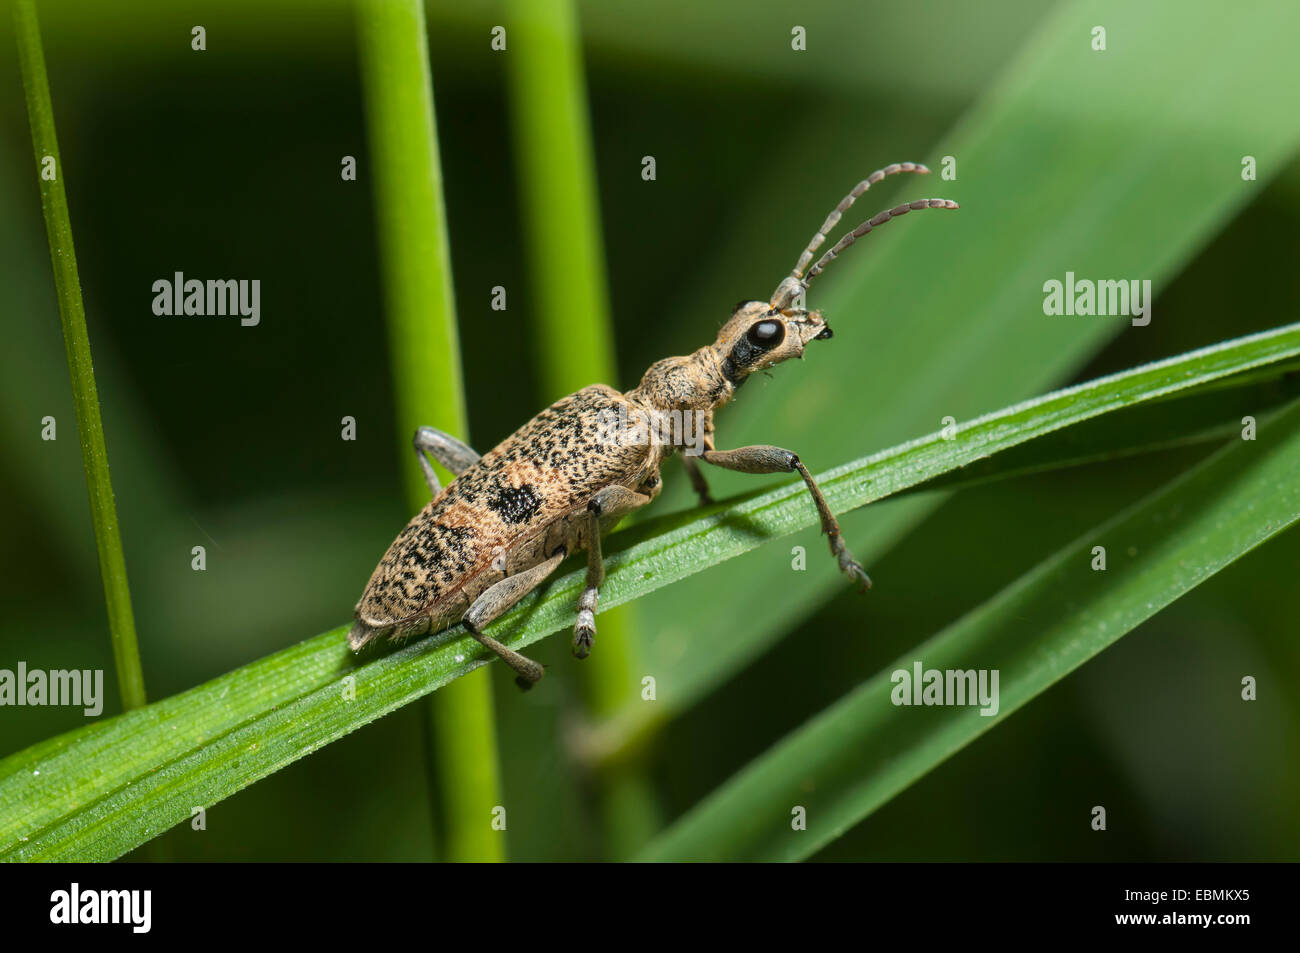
(516, 504)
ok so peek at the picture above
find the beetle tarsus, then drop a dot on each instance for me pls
(848, 565)
(584, 630)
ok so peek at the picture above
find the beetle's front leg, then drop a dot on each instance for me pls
(611, 502)
(698, 483)
(768, 459)
(702, 441)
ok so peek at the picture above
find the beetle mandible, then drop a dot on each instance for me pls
(551, 488)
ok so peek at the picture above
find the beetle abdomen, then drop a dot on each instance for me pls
(504, 514)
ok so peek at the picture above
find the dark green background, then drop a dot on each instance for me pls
(226, 164)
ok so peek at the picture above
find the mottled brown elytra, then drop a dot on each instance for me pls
(552, 487)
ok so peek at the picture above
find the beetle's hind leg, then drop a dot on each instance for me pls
(498, 598)
(610, 503)
(446, 449)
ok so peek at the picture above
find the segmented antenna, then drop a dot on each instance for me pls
(833, 219)
(867, 226)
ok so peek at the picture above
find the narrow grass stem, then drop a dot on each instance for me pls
(427, 382)
(574, 335)
(76, 338)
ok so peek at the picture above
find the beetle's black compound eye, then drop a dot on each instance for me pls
(766, 334)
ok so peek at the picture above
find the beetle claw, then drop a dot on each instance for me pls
(584, 634)
(853, 569)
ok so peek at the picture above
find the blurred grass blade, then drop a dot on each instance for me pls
(94, 793)
(90, 428)
(425, 357)
(862, 751)
(553, 150)
(1123, 164)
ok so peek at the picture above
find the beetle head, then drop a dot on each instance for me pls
(761, 335)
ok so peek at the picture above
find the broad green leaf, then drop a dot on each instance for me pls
(859, 753)
(94, 793)
(1115, 164)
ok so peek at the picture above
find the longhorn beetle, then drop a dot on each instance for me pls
(509, 518)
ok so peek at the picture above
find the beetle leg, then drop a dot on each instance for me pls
(610, 503)
(767, 459)
(698, 483)
(494, 601)
(446, 449)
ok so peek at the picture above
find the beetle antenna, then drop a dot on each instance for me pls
(833, 219)
(881, 219)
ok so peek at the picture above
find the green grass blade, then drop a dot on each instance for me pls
(921, 462)
(1206, 414)
(1124, 163)
(862, 751)
(574, 336)
(90, 428)
(425, 358)
(96, 792)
